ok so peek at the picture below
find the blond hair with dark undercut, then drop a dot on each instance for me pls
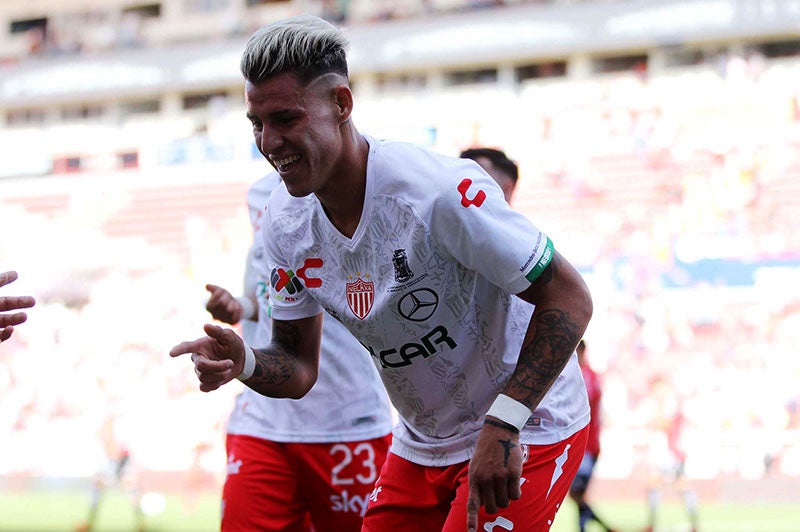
(305, 46)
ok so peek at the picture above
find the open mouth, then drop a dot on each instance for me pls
(286, 164)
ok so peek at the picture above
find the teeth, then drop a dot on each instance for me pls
(290, 159)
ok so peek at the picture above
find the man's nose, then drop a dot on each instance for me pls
(271, 141)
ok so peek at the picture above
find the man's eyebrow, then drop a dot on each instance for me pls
(275, 114)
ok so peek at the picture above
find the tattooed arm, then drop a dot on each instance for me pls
(287, 367)
(563, 309)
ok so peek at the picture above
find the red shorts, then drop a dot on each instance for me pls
(418, 498)
(283, 487)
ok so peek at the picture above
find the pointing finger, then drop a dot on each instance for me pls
(184, 348)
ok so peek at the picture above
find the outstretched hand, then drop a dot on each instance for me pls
(223, 306)
(7, 321)
(494, 472)
(218, 358)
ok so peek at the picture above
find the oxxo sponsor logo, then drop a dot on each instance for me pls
(426, 346)
(346, 503)
(418, 305)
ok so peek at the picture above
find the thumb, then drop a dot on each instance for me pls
(212, 288)
(214, 331)
(227, 339)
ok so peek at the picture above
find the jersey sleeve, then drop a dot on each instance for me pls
(288, 297)
(256, 271)
(474, 223)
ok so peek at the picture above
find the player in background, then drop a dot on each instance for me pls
(497, 164)
(9, 303)
(294, 463)
(581, 482)
(668, 456)
(118, 473)
(419, 256)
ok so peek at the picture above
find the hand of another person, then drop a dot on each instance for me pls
(494, 472)
(218, 358)
(223, 306)
(7, 321)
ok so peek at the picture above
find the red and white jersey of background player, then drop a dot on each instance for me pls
(594, 391)
(331, 411)
(426, 284)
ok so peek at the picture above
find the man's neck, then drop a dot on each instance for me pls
(344, 201)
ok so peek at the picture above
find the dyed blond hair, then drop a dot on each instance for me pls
(305, 46)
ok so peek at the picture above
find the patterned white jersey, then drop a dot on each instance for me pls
(348, 401)
(425, 284)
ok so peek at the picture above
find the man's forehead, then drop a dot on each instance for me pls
(274, 93)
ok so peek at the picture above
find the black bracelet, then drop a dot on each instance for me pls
(502, 425)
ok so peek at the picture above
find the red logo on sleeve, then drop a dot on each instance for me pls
(477, 200)
(310, 263)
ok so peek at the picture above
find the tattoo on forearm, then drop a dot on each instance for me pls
(277, 366)
(555, 336)
(273, 368)
(507, 446)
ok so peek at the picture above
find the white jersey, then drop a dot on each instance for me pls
(426, 284)
(347, 403)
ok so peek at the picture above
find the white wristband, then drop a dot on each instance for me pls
(249, 364)
(509, 411)
(248, 308)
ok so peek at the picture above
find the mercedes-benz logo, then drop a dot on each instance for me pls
(418, 305)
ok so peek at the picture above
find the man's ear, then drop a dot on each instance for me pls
(343, 97)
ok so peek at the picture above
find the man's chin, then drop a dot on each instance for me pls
(297, 192)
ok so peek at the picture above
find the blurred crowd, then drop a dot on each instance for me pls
(118, 31)
(680, 201)
(92, 367)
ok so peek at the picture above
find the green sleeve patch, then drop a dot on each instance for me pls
(544, 260)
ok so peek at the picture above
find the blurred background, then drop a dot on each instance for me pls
(658, 144)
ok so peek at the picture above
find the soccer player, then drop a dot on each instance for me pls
(581, 482)
(470, 314)
(310, 461)
(668, 456)
(119, 473)
(503, 170)
(8, 303)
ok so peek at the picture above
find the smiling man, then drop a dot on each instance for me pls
(470, 314)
